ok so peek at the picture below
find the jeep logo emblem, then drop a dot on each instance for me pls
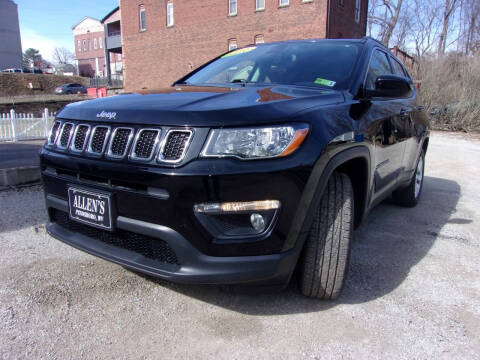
(107, 115)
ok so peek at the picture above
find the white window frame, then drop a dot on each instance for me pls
(232, 11)
(357, 11)
(232, 44)
(257, 5)
(282, 3)
(259, 39)
(95, 45)
(100, 43)
(170, 19)
(141, 10)
(79, 45)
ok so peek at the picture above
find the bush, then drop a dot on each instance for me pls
(450, 92)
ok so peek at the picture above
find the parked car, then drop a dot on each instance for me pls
(71, 89)
(13, 70)
(258, 163)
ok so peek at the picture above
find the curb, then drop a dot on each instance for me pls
(20, 175)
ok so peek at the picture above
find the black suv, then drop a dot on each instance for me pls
(258, 163)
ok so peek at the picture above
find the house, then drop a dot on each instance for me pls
(113, 44)
(89, 42)
(11, 46)
(165, 39)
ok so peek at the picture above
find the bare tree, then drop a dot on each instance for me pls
(63, 56)
(449, 8)
(385, 14)
(425, 20)
(471, 15)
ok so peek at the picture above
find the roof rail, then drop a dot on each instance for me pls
(371, 38)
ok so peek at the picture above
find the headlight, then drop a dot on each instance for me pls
(255, 143)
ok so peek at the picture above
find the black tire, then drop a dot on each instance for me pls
(408, 196)
(324, 262)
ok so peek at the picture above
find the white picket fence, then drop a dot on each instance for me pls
(14, 127)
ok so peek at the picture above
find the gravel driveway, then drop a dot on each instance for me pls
(413, 289)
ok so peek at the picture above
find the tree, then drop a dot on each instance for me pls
(385, 14)
(449, 9)
(30, 57)
(62, 55)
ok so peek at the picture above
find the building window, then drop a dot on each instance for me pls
(283, 2)
(341, 2)
(357, 11)
(259, 4)
(142, 18)
(170, 14)
(232, 7)
(95, 43)
(84, 45)
(100, 42)
(89, 45)
(259, 39)
(232, 44)
(79, 45)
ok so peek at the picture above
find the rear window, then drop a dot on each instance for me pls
(314, 64)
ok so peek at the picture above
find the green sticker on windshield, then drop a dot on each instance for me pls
(239, 51)
(325, 82)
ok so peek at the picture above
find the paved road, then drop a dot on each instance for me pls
(19, 154)
(413, 290)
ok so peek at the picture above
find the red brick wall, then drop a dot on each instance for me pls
(86, 59)
(342, 19)
(160, 55)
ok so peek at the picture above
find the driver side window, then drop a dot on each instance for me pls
(379, 65)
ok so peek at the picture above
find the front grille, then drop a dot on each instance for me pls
(98, 139)
(65, 135)
(54, 133)
(147, 246)
(145, 144)
(176, 143)
(80, 137)
(120, 141)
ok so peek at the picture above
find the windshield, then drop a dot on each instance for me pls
(314, 64)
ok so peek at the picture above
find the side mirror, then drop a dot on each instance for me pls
(391, 86)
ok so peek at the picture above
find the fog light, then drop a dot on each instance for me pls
(258, 222)
(236, 207)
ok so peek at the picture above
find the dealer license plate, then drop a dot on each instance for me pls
(90, 207)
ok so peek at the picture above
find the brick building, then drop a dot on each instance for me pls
(89, 37)
(113, 44)
(164, 39)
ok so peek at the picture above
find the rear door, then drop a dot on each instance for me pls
(410, 111)
(385, 124)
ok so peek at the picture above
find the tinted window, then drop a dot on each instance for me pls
(378, 66)
(315, 64)
(397, 68)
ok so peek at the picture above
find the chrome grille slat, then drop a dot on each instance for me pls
(80, 138)
(119, 142)
(175, 145)
(145, 144)
(52, 138)
(98, 140)
(65, 135)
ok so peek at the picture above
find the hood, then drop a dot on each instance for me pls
(203, 106)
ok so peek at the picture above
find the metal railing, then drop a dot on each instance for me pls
(14, 127)
(115, 81)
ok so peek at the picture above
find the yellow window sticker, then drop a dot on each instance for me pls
(239, 51)
(325, 82)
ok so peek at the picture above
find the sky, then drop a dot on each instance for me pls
(45, 25)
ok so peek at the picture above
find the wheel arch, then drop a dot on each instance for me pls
(355, 163)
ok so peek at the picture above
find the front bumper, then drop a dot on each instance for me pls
(190, 266)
